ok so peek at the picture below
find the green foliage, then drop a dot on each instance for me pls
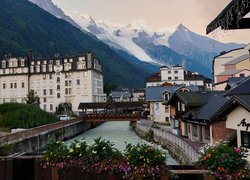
(17, 115)
(143, 155)
(24, 26)
(56, 151)
(32, 98)
(102, 149)
(78, 149)
(108, 87)
(5, 149)
(224, 161)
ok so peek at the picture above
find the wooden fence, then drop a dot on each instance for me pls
(30, 168)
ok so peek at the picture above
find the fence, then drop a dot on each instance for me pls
(30, 168)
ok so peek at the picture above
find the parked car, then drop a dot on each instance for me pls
(64, 117)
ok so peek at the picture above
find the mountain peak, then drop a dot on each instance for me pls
(181, 27)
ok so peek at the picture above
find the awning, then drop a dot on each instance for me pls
(232, 17)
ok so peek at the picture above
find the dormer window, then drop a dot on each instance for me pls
(65, 60)
(3, 64)
(51, 61)
(71, 60)
(44, 62)
(22, 62)
(57, 62)
(32, 63)
(38, 62)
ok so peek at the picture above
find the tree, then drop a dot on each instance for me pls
(32, 98)
(109, 87)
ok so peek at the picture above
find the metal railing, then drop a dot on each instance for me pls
(186, 148)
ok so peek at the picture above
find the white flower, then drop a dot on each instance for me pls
(78, 145)
(94, 152)
(104, 148)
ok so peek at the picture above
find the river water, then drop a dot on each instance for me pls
(118, 133)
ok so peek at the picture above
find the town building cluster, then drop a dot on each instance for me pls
(66, 80)
(200, 112)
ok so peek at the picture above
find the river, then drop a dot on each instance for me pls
(117, 133)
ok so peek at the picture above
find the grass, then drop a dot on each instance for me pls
(17, 115)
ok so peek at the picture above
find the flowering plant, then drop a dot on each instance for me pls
(145, 160)
(223, 161)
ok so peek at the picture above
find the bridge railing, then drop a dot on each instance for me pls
(111, 116)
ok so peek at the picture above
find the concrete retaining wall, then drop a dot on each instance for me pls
(35, 139)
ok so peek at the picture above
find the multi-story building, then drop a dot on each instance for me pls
(235, 63)
(69, 80)
(178, 76)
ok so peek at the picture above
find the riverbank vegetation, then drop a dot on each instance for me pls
(17, 115)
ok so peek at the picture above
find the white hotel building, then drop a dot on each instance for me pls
(70, 80)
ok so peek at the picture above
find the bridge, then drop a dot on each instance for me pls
(111, 111)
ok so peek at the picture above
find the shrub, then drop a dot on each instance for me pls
(223, 161)
(145, 160)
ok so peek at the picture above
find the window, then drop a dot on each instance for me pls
(22, 84)
(207, 132)
(195, 130)
(166, 109)
(11, 85)
(66, 91)
(51, 91)
(183, 107)
(22, 62)
(4, 86)
(245, 139)
(166, 97)
(44, 99)
(44, 92)
(169, 72)
(58, 79)
(69, 82)
(167, 119)
(44, 76)
(242, 75)
(51, 107)
(15, 86)
(176, 77)
(58, 87)
(58, 95)
(66, 83)
(78, 81)
(169, 78)
(50, 76)
(176, 72)
(3, 64)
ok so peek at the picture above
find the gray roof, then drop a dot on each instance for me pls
(154, 93)
(242, 89)
(121, 93)
(229, 72)
(235, 81)
(243, 100)
(209, 110)
(238, 59)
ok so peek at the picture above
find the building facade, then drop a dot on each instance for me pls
(69, 80)
(176, 75)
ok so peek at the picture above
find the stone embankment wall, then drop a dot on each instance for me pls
(177, 148)
(34, 140)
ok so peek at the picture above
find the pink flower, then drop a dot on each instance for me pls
(237, 150)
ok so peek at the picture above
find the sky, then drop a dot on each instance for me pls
(194, 14)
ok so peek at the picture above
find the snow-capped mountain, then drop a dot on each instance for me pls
(180, 46)
(50, 7)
